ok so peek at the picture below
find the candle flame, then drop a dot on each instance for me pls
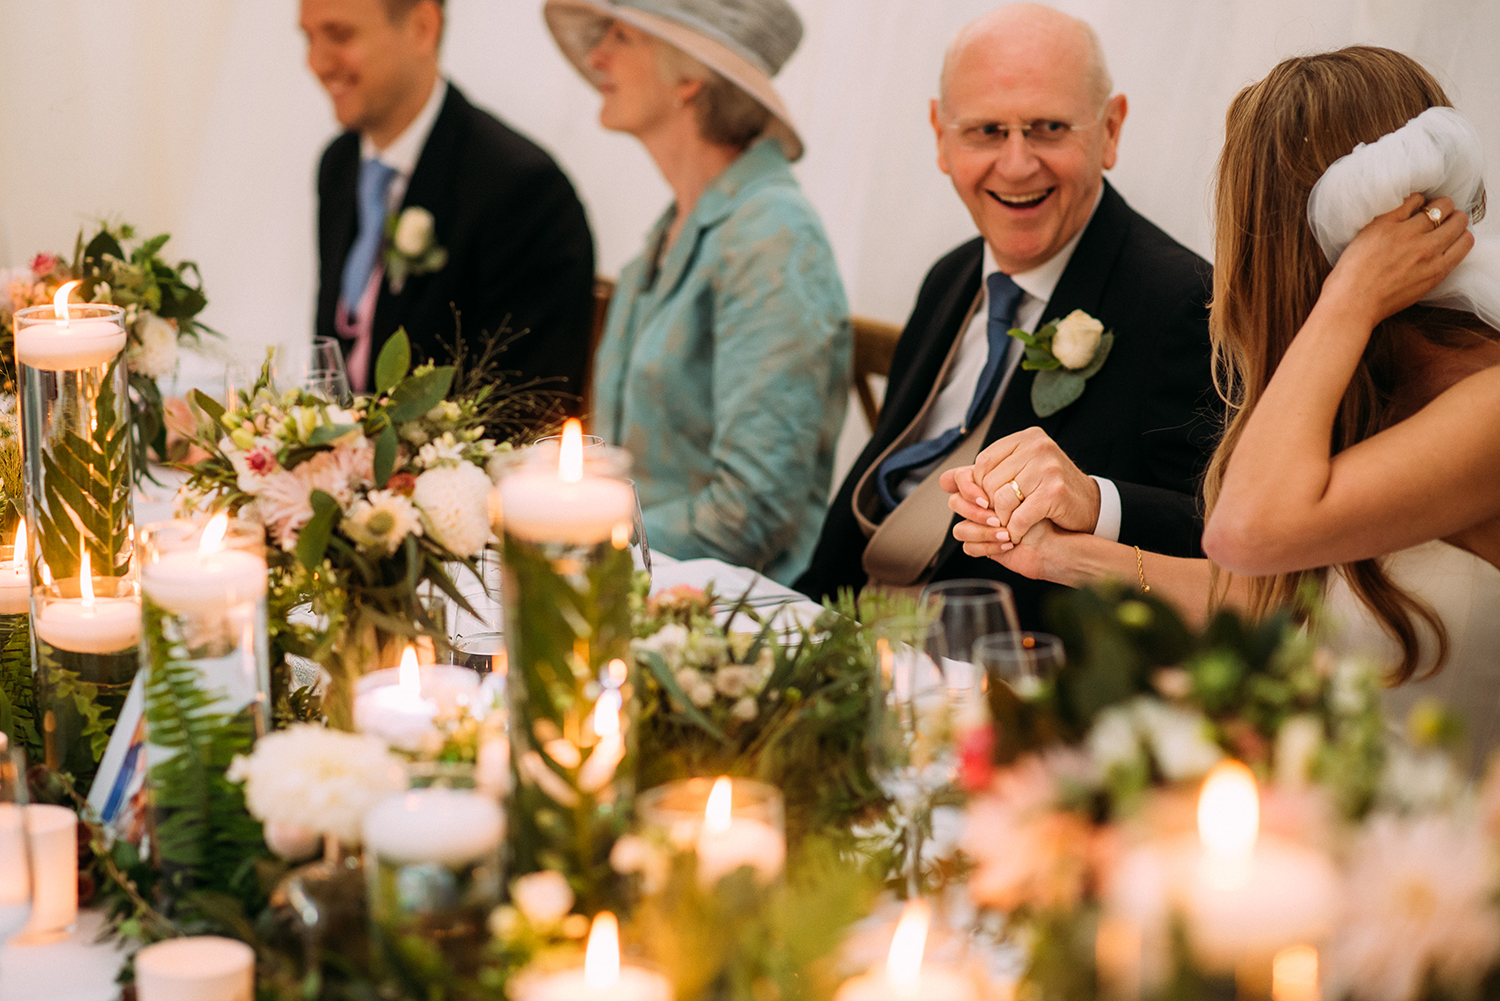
(720, 805)
(1294, 974)
(607, 713)
(46, 573)
(570, 455)
(409, 676)
(1229, 810)
(903, 966)
(60, 302)
(18, 551)
(86, 580)
(601, 962)
(213, 534)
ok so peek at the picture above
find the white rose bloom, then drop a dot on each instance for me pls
(316, 778)
(454, 502)
(1077, 339)
(544, 897)
(414, 232)
(1179, 739)
(156, 353)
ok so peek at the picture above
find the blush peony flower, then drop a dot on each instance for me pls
(454, 502)
(153, 351)
(381, 522)
(1418, 902)
(316, 778)
(1077, 339)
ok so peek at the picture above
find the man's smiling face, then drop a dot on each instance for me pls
(1028, 197)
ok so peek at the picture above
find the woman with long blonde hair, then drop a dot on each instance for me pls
(1362, 450)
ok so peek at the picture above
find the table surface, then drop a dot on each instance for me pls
(80, 969)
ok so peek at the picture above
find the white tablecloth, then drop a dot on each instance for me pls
(79, 969)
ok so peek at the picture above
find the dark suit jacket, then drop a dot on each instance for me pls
(520, 253)
(1147, 420)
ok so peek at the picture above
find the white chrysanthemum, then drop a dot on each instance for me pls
(154, 351)
(381, 522)
(454, 502)
(1077, 339)
(321, 779)
(284, 506)
(1417, 902)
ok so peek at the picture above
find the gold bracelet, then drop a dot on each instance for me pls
(1140, 571)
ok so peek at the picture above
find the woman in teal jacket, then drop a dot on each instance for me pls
(724, 366)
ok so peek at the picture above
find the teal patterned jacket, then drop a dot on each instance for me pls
(726, 374)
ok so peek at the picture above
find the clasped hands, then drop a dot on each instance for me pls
(1014, 499)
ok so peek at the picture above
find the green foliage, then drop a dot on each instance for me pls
(87, 483)
(207, 842)
(1055, 387)
(17, 695)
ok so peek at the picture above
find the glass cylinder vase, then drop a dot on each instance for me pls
(75, 418)
(205, 655)
(567, 584)
(16, 689)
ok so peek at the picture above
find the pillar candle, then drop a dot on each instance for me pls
(198, 968)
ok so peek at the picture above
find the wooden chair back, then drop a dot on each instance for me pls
(874, 344)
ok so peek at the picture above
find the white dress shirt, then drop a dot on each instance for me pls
(953, 400)
(402, 154)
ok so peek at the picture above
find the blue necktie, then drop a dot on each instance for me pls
(1004, 296)
(374, 181)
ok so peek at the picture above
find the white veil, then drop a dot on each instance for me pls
(1438, 153)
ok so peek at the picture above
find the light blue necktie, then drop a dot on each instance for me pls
(374, 181)
(1004, 296)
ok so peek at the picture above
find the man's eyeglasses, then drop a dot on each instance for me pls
(1039, 134)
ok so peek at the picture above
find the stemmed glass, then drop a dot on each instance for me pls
(16, 885)
(968, 610)
(911, 743)
(1025, 663)
(327, 375)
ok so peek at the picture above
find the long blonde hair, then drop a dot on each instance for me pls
(1281, 134)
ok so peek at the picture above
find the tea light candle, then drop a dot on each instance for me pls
(53, 831)
(198, 968)
(399, 705)
(727, 843)
(452, 827)
(210, 579)
(567, 507)
(1249, 896)
(66, 344)
(601, 978)
(905, 976)
(15, 577)
(87, 624)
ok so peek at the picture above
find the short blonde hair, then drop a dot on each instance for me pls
(727, 115)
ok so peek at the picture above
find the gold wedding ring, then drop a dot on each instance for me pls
(1020, 497)
(1436, 215)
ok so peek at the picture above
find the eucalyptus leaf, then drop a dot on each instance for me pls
(386, 446)
(1101, 353)
(1055, 389)
(327, 433)
(394, 362)
(420, 393)
(312, 541)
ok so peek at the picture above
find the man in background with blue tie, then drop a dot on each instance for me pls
(1026, 125)
(430, 207)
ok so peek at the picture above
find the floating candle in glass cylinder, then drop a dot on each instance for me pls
(77, 452)
(1248, 896)
(400, 705)
(196, 968)
(905, 976)
(15, 576)
(730, 824)
(602, 977)
(92, 622)
(566, 516)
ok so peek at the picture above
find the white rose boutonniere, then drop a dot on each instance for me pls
(1065, 354)
(411, 247)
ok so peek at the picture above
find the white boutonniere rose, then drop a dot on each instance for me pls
(411, 247)
(1065, 354)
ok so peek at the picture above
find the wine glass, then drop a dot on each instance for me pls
(16, 886)
(327, 376)
(968, 610)
(911, 744)
(639, 547)
(1025, 663)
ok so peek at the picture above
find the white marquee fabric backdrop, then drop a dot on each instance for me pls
(199, 117)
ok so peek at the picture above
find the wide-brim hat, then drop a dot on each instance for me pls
(744, 41)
